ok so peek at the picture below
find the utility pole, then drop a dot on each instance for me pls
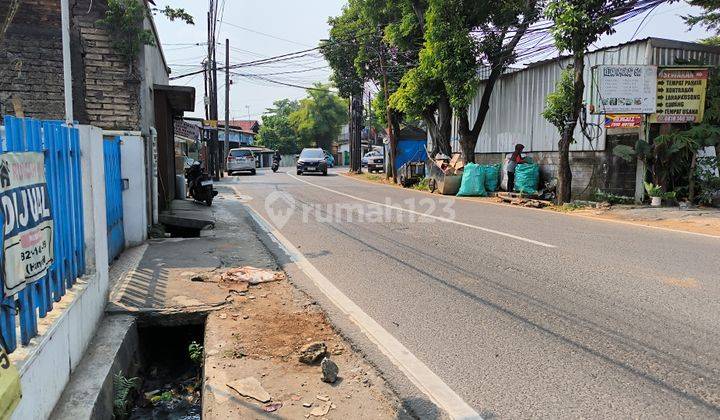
(214, 168)
(227, 97)
(210, 156)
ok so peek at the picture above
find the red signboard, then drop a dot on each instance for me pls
(623, 121)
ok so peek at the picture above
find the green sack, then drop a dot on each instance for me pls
(473, 181)
(527, 178)
(492, 177)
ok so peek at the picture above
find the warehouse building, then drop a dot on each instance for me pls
(519, 98)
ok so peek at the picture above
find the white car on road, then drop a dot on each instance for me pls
(240, 160)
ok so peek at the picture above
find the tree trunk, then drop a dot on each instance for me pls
(440, 126)
(393, 129)
(355, 134)
(564, 188)
(467, 139)
(691, 177)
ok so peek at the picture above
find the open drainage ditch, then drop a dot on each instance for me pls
(169, 384)
(182, 232)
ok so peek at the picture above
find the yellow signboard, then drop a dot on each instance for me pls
(680, 95)
(210, 124)
(9, 386)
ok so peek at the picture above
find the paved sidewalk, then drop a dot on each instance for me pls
(250, 331)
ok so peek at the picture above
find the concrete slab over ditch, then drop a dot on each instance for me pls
(188, 214)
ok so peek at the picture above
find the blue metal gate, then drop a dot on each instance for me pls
(61, 146)
(113, 197)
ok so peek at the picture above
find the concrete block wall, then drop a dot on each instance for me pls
(587, 168)
(52, 356)
(106, 93)
(31, 59)
(111, 89)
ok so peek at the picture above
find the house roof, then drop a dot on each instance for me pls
(249, 126)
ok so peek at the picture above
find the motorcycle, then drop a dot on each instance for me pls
(275, 164)
(199, 184)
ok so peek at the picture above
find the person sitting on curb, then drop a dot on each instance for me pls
(515, 158)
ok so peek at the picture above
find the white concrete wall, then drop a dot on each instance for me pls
(132, 168)
(52, 356)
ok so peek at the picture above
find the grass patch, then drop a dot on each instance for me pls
(423, 185)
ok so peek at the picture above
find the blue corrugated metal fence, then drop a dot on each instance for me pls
(61, 146)
(113, 197)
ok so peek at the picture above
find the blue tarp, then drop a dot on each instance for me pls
(410, 150)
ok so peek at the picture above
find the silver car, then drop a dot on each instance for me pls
(240, 160)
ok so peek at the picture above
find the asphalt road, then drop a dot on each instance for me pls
(523, 313)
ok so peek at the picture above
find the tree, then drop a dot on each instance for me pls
(276, 131)
(469, 42)
(709, 18)
(319, 117)
(559, 105)
(420, 95)
(377, 41)
(124, 20)
(576, 25)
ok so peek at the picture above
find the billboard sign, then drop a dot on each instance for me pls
(680, 95)
(27, 245)
(626, 89)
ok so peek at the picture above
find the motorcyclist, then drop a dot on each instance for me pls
(276, 156)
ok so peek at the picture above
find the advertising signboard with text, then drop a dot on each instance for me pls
(625, 89)
(680, 95)
(27, 244)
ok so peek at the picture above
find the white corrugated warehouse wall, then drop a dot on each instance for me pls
(519, 97)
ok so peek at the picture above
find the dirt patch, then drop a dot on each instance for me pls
(259, 335)
(698, 221)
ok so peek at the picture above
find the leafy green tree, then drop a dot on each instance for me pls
(469, 42)
(276, 131)
(420, 95)
(319, 117)
(559, 104)
(124, 20)
(576, 25)
(709, 18)
(358, 52)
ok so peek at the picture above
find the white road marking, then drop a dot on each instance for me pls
(439, 218)
(415, 370)
(571, 214)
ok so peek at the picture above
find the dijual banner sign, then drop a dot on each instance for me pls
(27, 250)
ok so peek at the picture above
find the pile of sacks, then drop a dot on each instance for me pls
(478, 180)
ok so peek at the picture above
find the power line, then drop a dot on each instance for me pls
(265, 34)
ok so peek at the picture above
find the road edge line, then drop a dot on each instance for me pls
(415, 370)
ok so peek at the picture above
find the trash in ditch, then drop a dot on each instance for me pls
(251, 275)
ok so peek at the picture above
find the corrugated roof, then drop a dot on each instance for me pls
(243, 125)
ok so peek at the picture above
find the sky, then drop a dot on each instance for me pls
(264, 28)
